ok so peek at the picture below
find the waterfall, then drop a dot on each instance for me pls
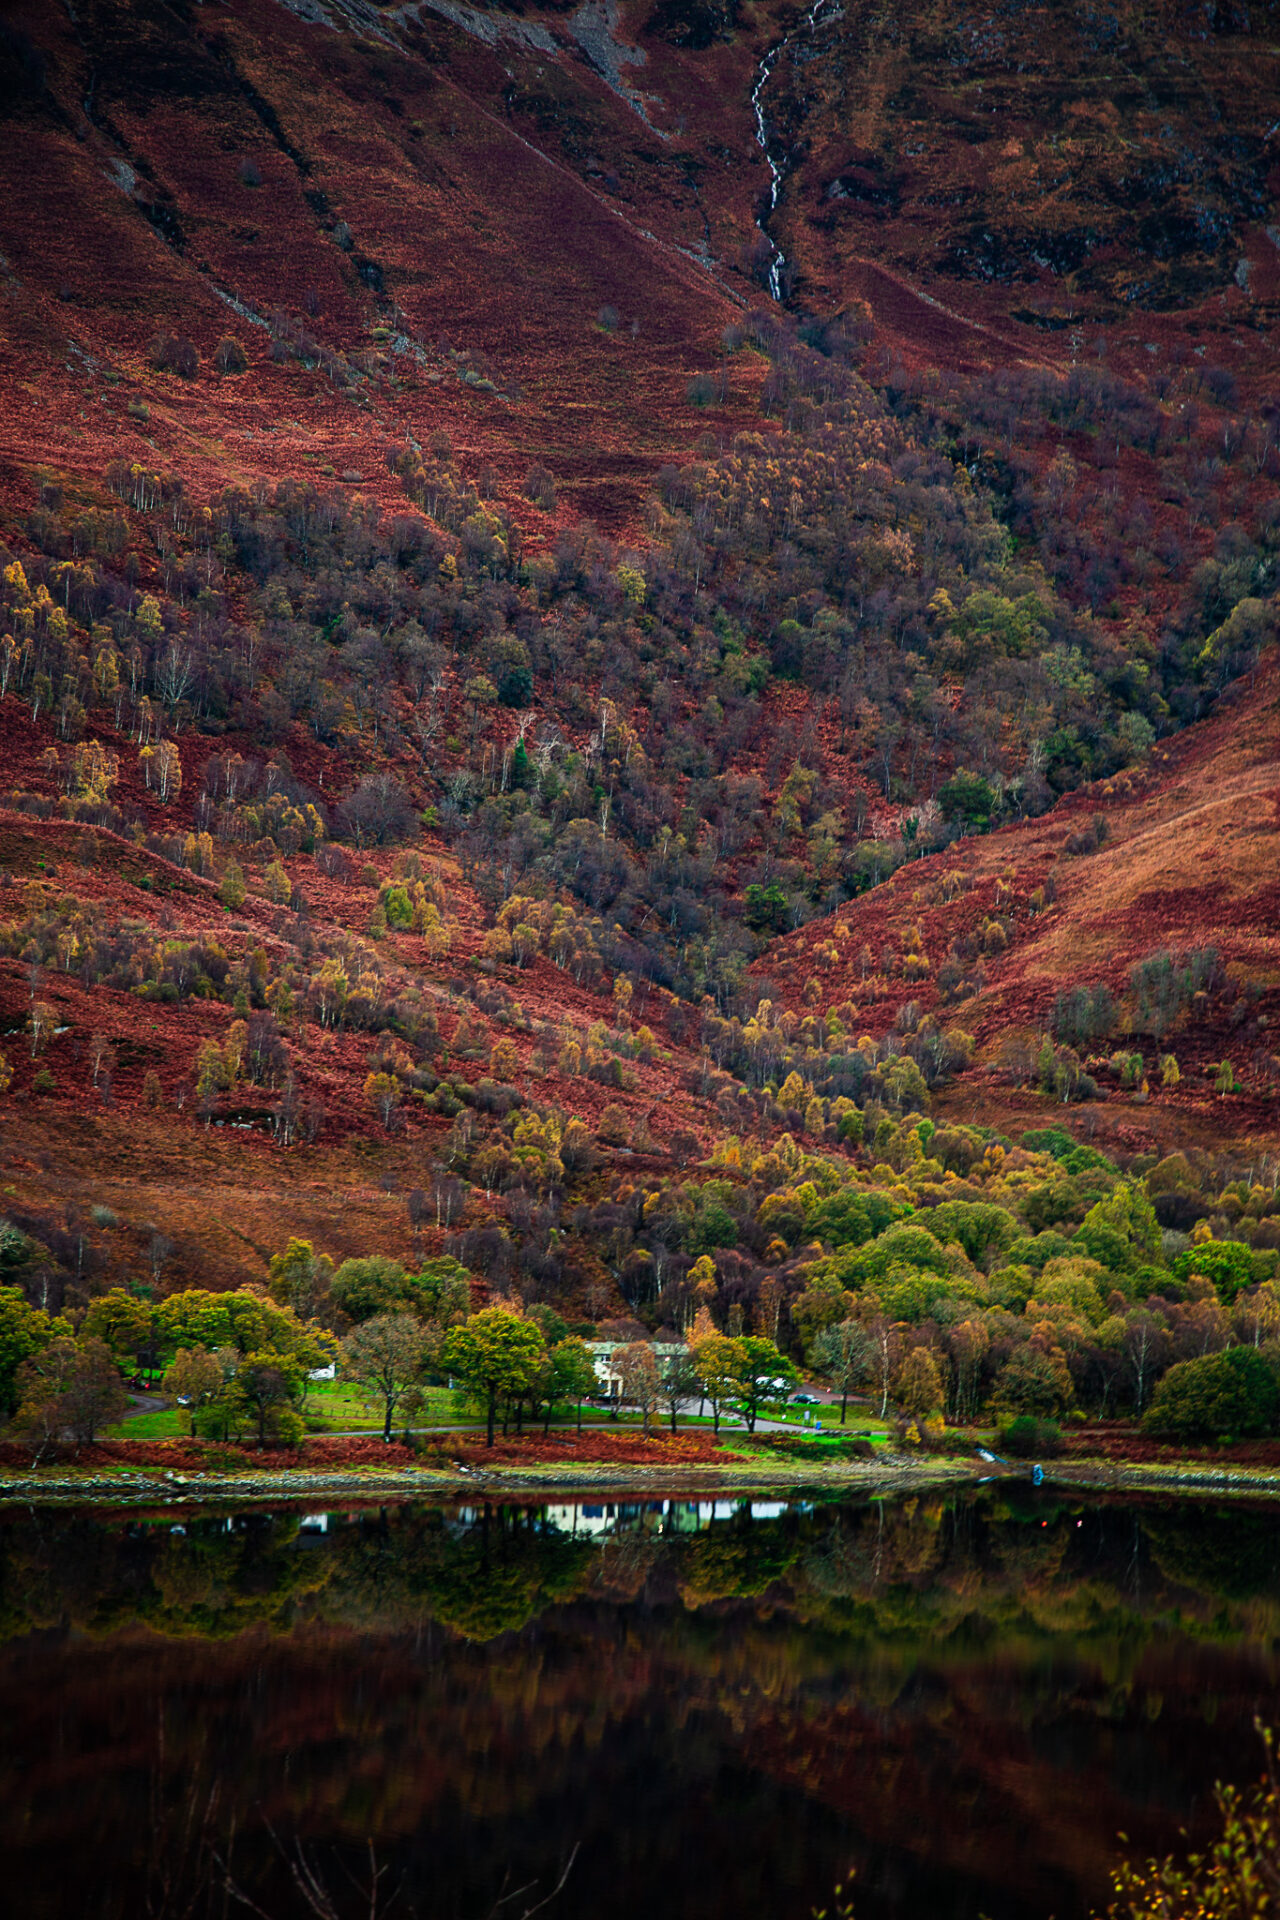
(777, 170)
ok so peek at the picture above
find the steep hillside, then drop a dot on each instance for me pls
(412, 220)
(1059, 169)
(1003, 933)
(526, 532)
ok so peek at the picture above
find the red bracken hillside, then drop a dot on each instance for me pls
(664, 608)
(1185, 855)
(454, 195)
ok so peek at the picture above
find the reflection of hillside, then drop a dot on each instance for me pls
(969, 1701)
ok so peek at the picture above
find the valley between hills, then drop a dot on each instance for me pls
(637, 664)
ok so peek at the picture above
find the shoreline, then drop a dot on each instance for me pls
(1118, 1476)
(133, 1487)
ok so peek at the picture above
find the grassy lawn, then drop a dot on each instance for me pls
(168, 1425)
(337, 1407)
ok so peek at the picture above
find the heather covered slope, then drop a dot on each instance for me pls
(999, 931)
(387, 206)
(470, 645)
(1054, 168)
(414, 202)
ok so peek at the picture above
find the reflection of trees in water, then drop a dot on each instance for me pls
(927, 1560)
(468, 1694)
(625, 1563)
(483, 1580)
(1227, 1554)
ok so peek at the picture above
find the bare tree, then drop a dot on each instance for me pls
(638, 1370)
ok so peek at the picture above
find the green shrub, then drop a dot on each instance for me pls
(1026, 1436)
(1233, 1394)
(397, 906)
(968, 800)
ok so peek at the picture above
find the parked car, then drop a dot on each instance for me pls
(805, 1400)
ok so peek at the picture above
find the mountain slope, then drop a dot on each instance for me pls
(399, 423)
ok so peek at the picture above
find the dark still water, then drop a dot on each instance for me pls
(721, 1708)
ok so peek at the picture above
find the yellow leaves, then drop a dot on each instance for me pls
(504, 1059)
(197, 853)
(569, 1058)
(382, 1091)
(95, 770)
(148, 619)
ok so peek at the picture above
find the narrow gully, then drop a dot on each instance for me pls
(777, 168)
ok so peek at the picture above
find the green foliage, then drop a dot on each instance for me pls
(908, 1244)
(494, 1581)
(370, 1284)
(495, 1354)
(396, 905)
(123, 1321)
(573, 1372)
(825, 1302)
(1233, 1394)
(1036, 1250)
(913, 1294)
(1120, 1230)
(766, 909)
(265, 1394)
(980, 1227)
(24, 1332)
(1027, 1437)
(967, 799)
(1228, 1263)
(1083, 1015)
(300, 1278)
(713, 1226)
(852, 1216)
(766, 1376)
(440, 1290)
(241, 1320)
(232, 889)
(1074, 1156)
(1165, 983)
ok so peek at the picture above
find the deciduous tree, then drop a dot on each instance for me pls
(721, 1366)
(267, 1391)
(496, 1355)
(385, 1356)
(638, 1371)
(842, 1354)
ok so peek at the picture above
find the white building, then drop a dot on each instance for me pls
(607, 1375)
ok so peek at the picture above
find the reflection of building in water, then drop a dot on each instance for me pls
(598, 1518)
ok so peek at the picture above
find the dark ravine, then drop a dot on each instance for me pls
(778, 168)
